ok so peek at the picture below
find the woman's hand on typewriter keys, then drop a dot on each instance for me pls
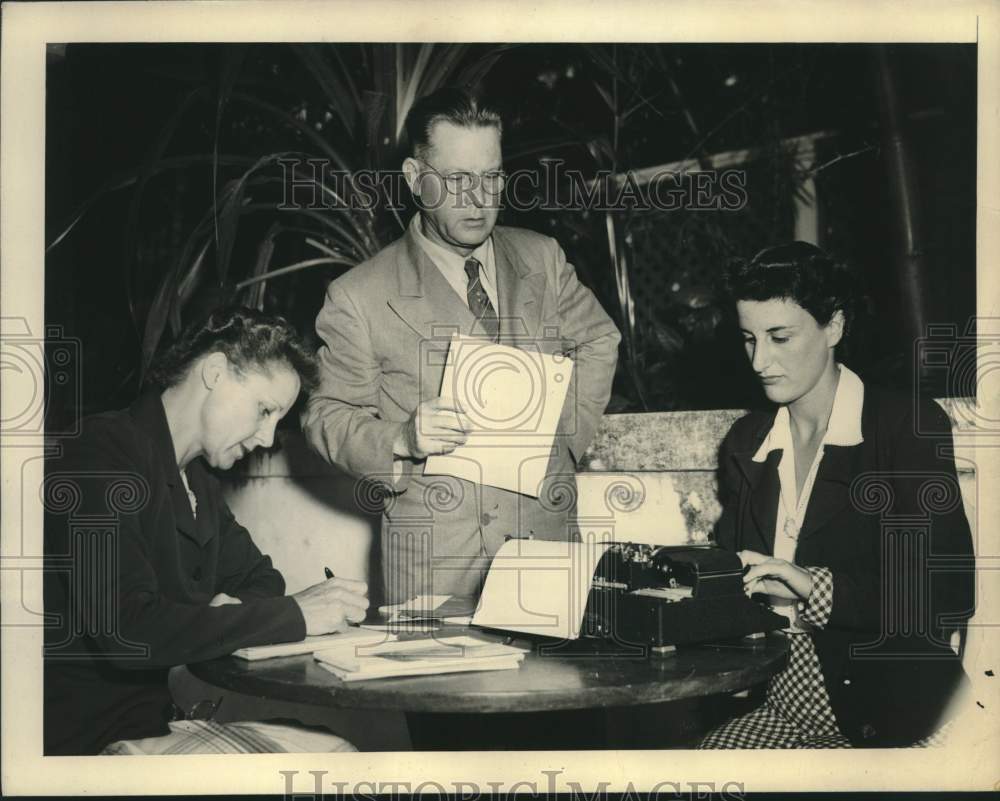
(774, 576)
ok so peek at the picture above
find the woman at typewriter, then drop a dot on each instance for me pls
(808, 491)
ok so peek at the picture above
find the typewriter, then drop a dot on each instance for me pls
(664, 596)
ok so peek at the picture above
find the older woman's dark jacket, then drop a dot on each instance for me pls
(886, 517)
(129, 576)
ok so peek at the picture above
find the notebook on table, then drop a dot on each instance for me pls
(354, 636)
(420, 657)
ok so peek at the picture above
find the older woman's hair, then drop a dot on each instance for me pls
(456, 105)
(250, 339)
(796, 271)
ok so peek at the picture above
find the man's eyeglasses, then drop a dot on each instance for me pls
(459, 182)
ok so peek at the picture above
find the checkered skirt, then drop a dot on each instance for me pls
(796, 712)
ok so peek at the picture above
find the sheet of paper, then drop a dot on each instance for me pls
(539, 587)
(419, 604)
(630, 507)
(352, 637)
(514, 399)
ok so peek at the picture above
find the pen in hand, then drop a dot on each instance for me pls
(329, 573)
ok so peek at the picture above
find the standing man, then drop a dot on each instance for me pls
(385, 325)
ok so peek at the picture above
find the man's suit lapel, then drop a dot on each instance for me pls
(520, 290)
(424, 300)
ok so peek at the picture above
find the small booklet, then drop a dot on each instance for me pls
(452, 607)
(420, 657)
(351, 638)
(422, 613)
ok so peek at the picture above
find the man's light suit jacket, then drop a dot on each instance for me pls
(385, 327)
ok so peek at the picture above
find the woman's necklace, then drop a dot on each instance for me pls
(795, 513)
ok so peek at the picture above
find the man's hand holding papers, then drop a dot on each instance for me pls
(511, 402)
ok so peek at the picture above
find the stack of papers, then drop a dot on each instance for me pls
(350, 638)
(419, 657)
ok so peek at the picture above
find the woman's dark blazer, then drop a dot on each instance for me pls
(886, 517)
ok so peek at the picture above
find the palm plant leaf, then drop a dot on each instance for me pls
(126, 179)
(186, 287)
(265, 252)
(228, 217)
(232, 61)
(474, 73)
(359, 241)
(291, 268)
(146, 171)
(324, 146)
(226, 221)
(529, 148)
(159, 310)
(375, 105)
(166, 298)
(351, 242)
(339, 89)
(349, 83)
(620, 267)
(443, 68)
(408, 83)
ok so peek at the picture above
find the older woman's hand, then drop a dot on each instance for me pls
(775, 576)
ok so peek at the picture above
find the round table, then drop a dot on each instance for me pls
(545, 681)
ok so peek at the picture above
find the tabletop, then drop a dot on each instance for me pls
(548, 679)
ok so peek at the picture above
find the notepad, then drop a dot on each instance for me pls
(420, 657)
(351, 637)
(381, 668)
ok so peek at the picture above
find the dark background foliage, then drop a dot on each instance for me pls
(161, 198)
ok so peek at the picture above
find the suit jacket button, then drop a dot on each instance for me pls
(868, 731)
(847, 682)
(485, 519)
(196, 575)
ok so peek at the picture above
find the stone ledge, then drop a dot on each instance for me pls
(648, 441)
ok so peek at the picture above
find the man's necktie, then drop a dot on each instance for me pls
(479, 301)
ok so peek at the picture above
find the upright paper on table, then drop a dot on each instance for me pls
(539, 587)
(513, 399)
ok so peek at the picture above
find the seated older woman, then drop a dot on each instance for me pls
(179, 580)
(870, 664)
